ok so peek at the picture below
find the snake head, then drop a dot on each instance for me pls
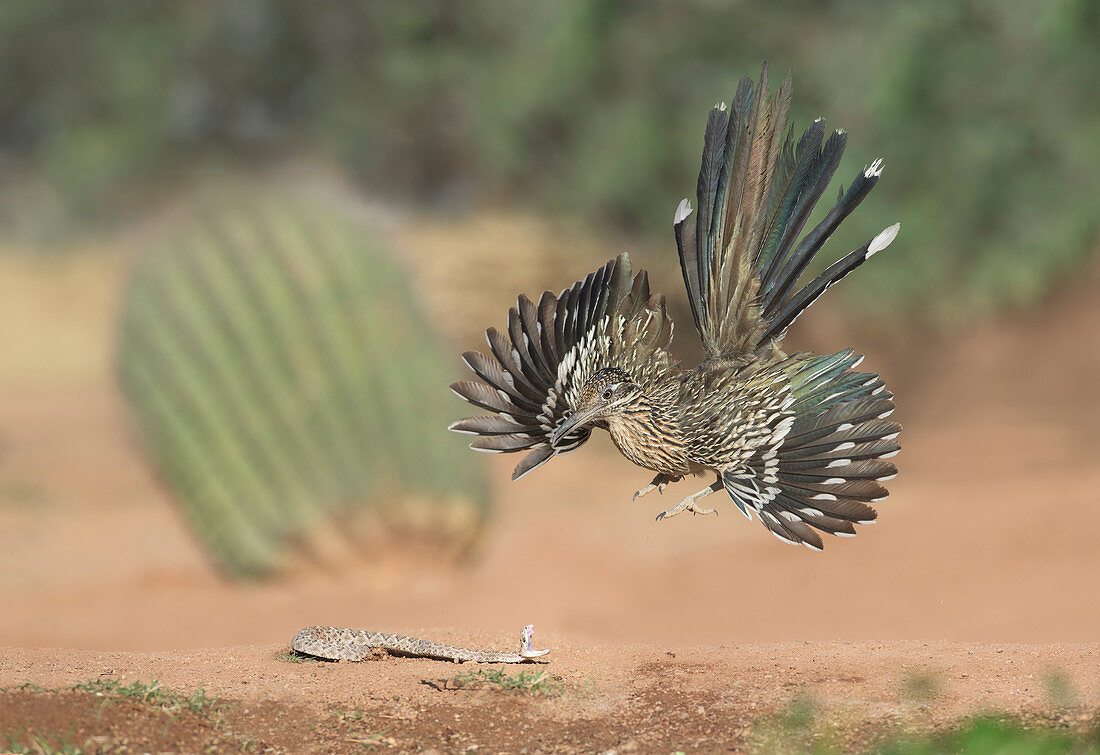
(525, 648)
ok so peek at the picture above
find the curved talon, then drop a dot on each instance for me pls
(689, 503)
(658, 483)
(669, 513)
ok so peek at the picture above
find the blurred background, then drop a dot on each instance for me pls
(243, 243)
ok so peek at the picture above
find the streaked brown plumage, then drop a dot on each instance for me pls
(800, 440)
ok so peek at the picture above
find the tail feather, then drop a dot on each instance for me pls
(800, 302)
(754, 159)
(727, 196)
(689, 258)
(714, 143)
(741, 256)
(824, 163)
(787, 194)
(774, 169)
(815, 239)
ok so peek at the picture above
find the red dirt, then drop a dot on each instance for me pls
(987, 540)
(647, 697)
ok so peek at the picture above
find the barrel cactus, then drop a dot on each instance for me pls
(289, 389)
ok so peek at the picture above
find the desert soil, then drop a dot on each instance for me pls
(977, 589)
(598, 696)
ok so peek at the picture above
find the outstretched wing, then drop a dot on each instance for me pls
(533, 379)
(756, 191)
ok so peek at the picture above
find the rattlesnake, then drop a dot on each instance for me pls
(336, 644)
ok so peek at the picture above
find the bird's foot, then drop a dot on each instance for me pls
(660, 488)
(691, 503)
(685, 505)
(658, 483)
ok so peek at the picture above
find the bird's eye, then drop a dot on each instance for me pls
(606, 395)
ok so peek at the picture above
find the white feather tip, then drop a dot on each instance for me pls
(874, 170)
(884, 239)
(682, 211)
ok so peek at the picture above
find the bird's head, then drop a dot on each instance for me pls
(608, 393)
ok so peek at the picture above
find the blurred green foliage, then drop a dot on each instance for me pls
(803, 727)
(282, 374)
(987, 111)
(995, 735)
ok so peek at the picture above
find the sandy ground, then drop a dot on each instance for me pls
(605, 696)
(987, 541)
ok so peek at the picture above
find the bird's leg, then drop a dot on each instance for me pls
(689, 502)
(658, 483)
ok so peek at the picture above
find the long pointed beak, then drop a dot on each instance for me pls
(576, 419)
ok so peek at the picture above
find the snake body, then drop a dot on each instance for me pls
(335, 643)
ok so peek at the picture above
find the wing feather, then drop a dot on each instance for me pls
(534, 377)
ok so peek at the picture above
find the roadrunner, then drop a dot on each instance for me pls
(799, 440)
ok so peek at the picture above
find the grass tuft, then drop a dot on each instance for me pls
(349, 715)
(529, 682)
(1059, 690)
(154, 694)
(920, 687)
(40, 744)
(796, 728)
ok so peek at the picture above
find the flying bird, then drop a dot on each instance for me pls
(801, 441)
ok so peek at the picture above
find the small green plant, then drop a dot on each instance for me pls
(372, 741)
(25, 687)
(41, 744)
(1059, 690)
(993, 735)
(920, 687)
(154, 694)
(530, 682)
(351, 718)
(796, 728)
(349, 715)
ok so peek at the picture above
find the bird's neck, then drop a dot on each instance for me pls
(648, 435)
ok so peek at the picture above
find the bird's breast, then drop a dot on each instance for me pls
(649, 441)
